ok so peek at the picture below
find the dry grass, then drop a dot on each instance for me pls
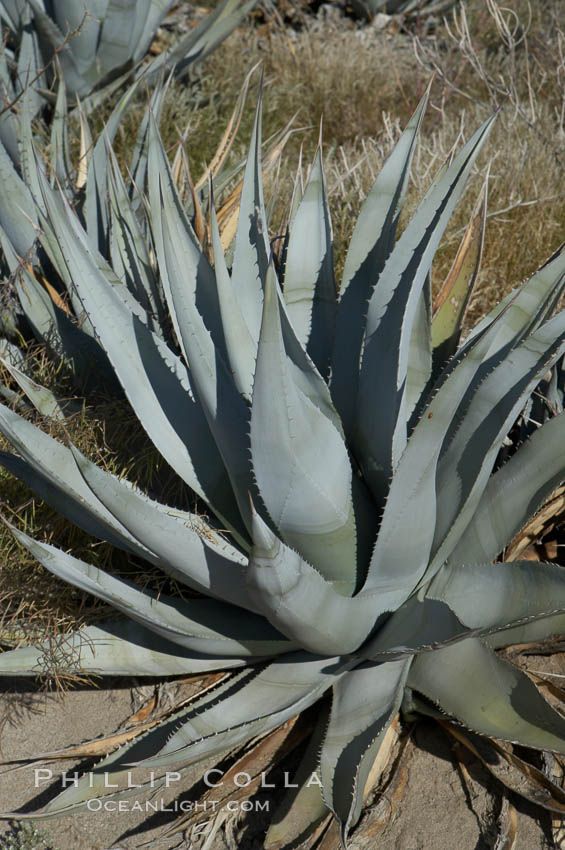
(34, 603)
(364, 84)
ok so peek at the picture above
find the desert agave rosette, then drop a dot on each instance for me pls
(352, 468)
(100, 44)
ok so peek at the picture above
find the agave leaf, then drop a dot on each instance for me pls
(290, 215)
(514, 493)
(419, 368)
(379, 435)
(309, 284)
(507, 592)
(304, 372)
(60, 156)
(203, 625)
(86, 147)
(9, 123)
(10, 11)
(49, 468)
(178, 250)
(281, 690)
(29, 68)
(307, 497)
(414, 492)
(252, 248)
(301, 809)
(256, 761)
(44, 401)
(95, 211)
(419, 625)
(17, 212)
(191, 293)
(364, 704)
(29, 165)
(399, 559)
(241, 349)
(534, 631)
(465, 466)
(522, 311)
(64, 338)
(115, 47)
(129, 250)
(116, 771)
(228, 214)
(182, 542)
(371, 243)
(118, 648)
(140, 155)
(145, 26)
(49, 32)
(81, 24)
(453, 297)
(52, 203)
(155, 381)
(488, 695)
(204, 38)
(299, 602)
(471, 601)
(41, 188)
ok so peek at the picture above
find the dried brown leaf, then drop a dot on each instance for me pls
(507, 827)
(515, 773)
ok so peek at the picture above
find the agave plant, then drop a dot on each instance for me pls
(99, 45)
(355, 521)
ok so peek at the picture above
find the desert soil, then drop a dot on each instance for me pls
(439, 803)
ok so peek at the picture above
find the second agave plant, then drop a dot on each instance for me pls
(351, 553)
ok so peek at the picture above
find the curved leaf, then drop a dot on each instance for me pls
(514, 493)
(202, 625)
(299, 459)
(379, 436)
(488, 695)
(118, 648)
(284, 688)
(364, 704)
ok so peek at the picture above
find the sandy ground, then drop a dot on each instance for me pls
(442, 807)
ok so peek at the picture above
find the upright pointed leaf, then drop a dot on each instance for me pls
(379, 436)
(371, 243)
(452, 299)
(156, 382)
(309, 284)
(252, 248)
(191, 293)
(465, 466)
(299, 459)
